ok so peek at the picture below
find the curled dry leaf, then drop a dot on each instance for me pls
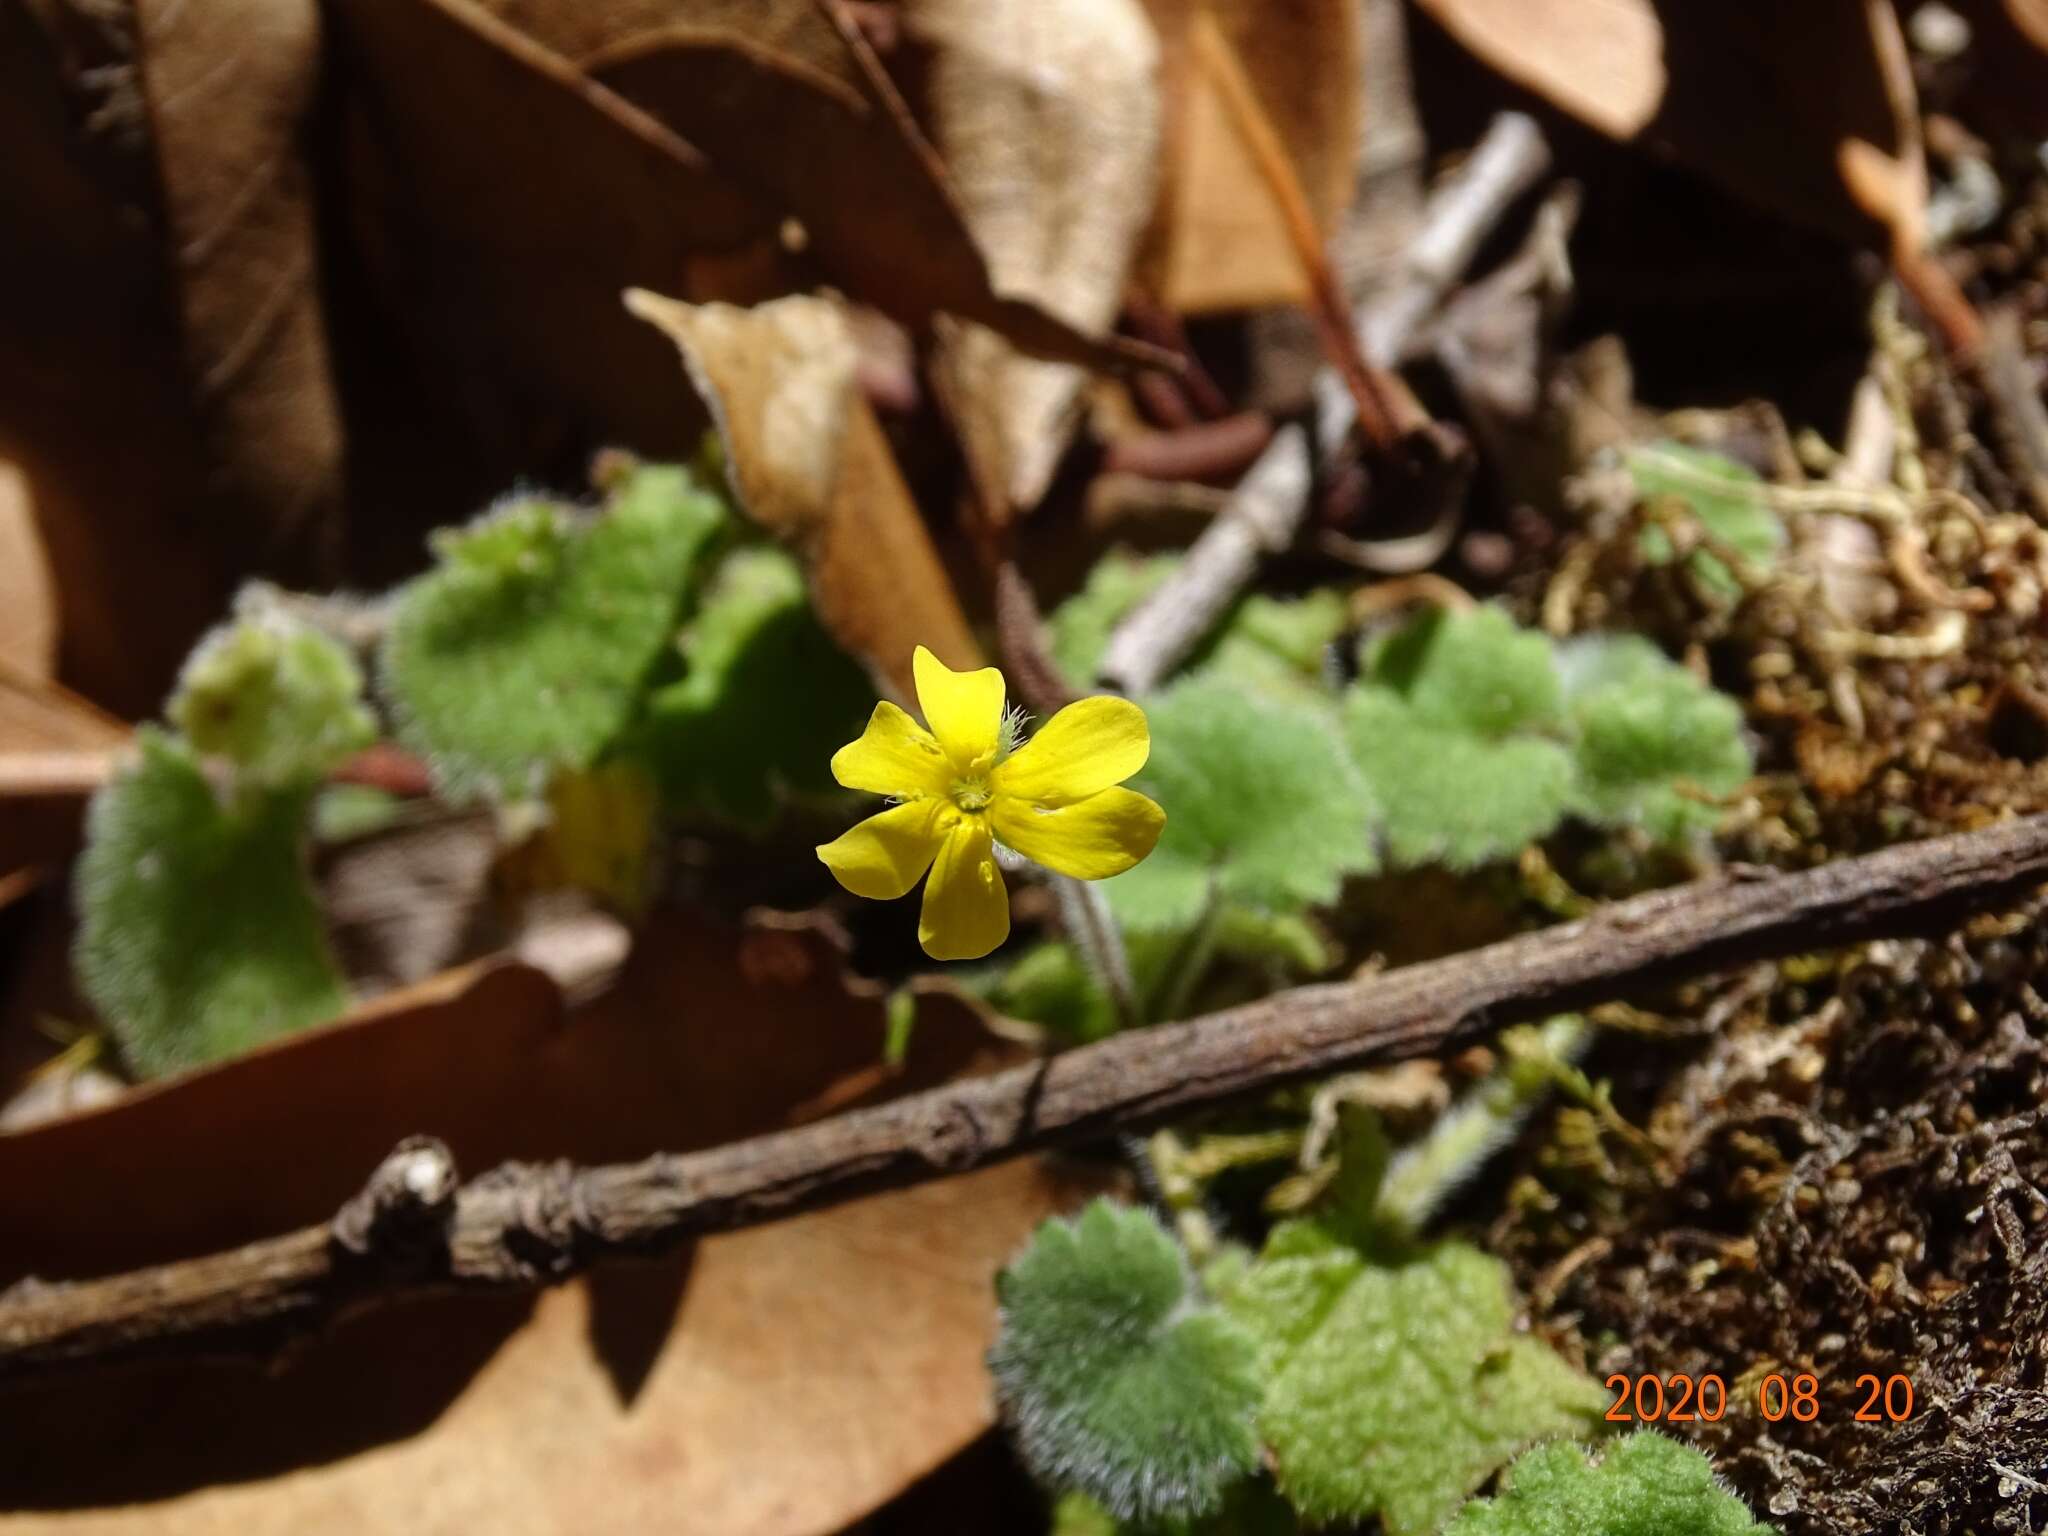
(1807, 110)
(55, 749)
(28, 601)
(2008, 39)
(89, 357)
(809, 463)
(1048, 118)
(228, 86)
(513, 198)
(674, 1396)
(800, 111)
(1218, 239)
(484, 180)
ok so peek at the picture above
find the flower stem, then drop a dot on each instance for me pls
(1092, 928)
(1422, 1177)
(1191, 960)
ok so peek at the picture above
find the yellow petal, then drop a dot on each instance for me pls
(894, 756)
(966, 910)
(883, 856)
(1091, 839)
(963, 709)
(1085, 748)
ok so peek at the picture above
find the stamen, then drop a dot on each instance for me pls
(1010, 734)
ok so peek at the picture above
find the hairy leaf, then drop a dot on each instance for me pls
(1120, 1384)
(1648, 731)
(1454, 723)
(1260, 641)
(765, 699)
(526, 648)
(1451, 797)
(1645, 1485)
(1396, 1389)
(1262, 803)
(277, 698)
(1475, 671)
(1725, 496)
(1079, 628)
(1275, 643)
(198, 933)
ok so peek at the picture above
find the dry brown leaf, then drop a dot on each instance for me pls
(783, 1380)
(1048, 118)
(54, 749)
(228, 86)
(1218, 240)
(1806, 110)
(481, 201)
(795, 108)
(2008, 39)
(809, 463)
(505, 283)
(93, 403)
(2030, 19)
(28, 601)
(815, 1370)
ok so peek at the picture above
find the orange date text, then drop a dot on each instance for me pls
(1781, 1395)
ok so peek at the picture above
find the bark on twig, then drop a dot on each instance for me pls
(1462, 213)
(1372, 396)
(1261, 518)
(1267, 509)
(521, 1225)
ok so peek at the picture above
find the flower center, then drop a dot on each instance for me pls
(970, 794)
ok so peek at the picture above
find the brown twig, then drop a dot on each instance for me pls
(1207, 450)
(1378, 400)
(1941, 300)
(1023, 646)
(1266, 510)
(415, 1230)
(1154, 322)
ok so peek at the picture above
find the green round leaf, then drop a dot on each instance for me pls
(526, 649)
(1451, 797)
(1262, 802)
(764, 699)
(1725, 496)
(1119, 1383)
(1646, 1485)
(1649, 731)
(198, 932)
(1396, 1389)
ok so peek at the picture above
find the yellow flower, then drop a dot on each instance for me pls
(962, 789)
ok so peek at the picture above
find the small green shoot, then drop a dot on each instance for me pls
(198, 933)
(1725, 497)
(1266, 805)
